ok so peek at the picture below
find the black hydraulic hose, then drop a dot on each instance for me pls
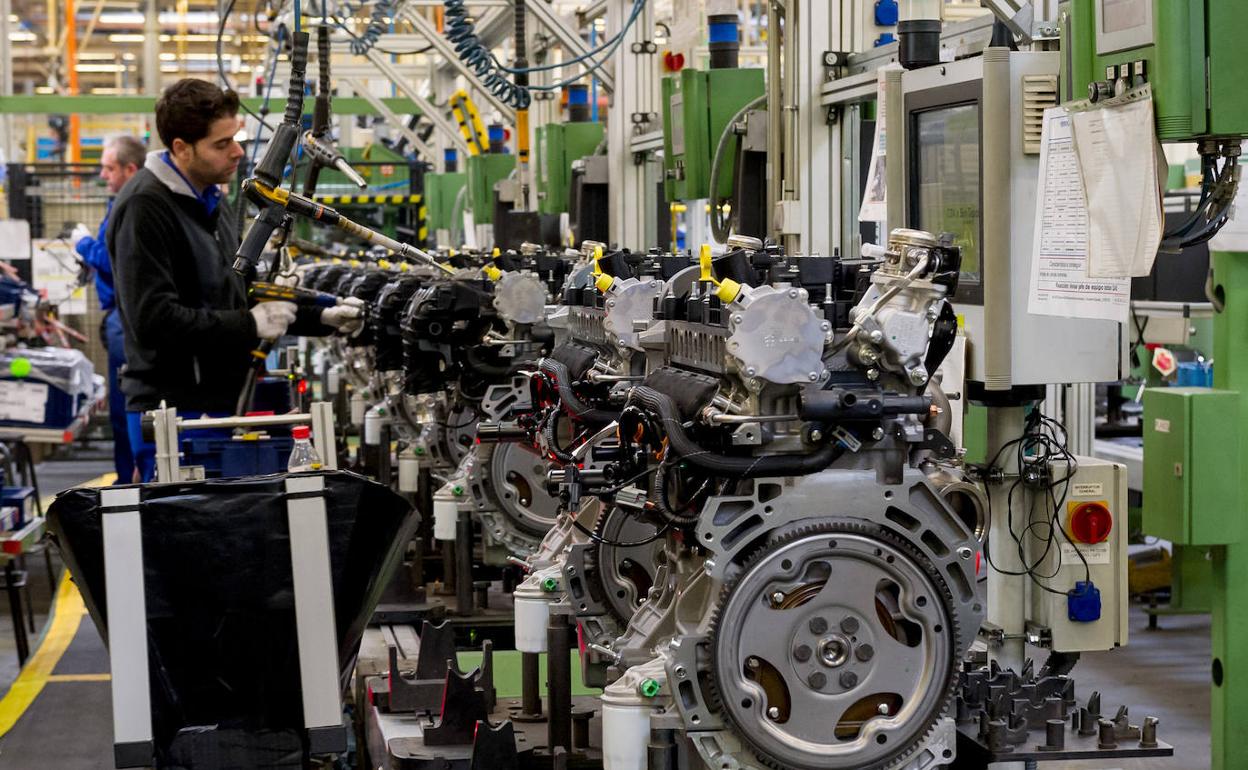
(575, 406)
(482, 366)
(689, 450)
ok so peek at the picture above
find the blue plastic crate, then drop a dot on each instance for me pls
(230, 458)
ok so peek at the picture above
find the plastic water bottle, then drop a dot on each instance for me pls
(303, 456)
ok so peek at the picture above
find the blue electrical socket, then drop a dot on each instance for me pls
(885, 39)
(886, 13)
(1083, 602)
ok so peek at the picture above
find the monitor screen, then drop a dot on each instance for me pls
(947, 178)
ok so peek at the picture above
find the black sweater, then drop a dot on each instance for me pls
(188, 332)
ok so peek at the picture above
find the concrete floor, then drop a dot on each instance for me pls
(53, 476)
(1163, 673)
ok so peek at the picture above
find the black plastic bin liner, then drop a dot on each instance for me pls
(222, 642)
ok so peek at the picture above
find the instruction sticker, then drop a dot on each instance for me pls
(1094, 554)
(1087, 489)
(1161, 426)
(23, 401)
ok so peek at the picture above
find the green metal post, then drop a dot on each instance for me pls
(1229, 669)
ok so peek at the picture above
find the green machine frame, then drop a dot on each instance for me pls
(441, 193)
(485, 171)
(558, 146)
(1192, 54)
(697, 105)
(1170, 50)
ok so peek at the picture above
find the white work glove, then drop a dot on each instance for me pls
(80, 231)
(347, 316)
(272, 318)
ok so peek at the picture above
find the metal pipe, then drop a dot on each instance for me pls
(463, 564)
(7, 143)
(258, 421)
(559, 681)
(530, 685)
(774, 122)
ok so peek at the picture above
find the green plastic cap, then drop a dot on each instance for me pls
(457, 490)
(649, 688)
(550, 584)
(20, 367)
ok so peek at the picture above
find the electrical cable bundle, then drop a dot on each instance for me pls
(1042, 445)
(1217, 194)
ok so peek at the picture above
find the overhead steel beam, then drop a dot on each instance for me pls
(444, 47)
(395, 120)
(403, 84)
(570, 41)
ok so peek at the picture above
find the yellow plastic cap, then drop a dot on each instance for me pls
(728, 290)
(491, 272)
(603, 282)
(597, 257)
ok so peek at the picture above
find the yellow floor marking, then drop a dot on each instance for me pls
(80, 678)
(65, 617)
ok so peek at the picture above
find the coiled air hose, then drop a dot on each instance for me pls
(378, 25)
(462, 33)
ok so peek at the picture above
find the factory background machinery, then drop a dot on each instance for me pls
(710, 408)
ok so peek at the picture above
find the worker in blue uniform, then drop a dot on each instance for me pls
(122, 158)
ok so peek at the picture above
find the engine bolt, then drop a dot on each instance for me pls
(610, 303)
(873, 374)
(802, 653)
(965, 553)
(813, 376)
(877, 434)
(817, 680)
(883, 709)
(736, 319)
(751, 662)
(849, 679)
(751, 371)
(864, 652)
(773, 712)
(876, 336)
(777, 598)
(918, 376)
(816, 435)
(792, 293)
(850, 625)
(818, 625)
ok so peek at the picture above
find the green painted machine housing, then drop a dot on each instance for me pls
(1188, 35)
(559, 145)
(1192, 486)
(441, 190)
(485, 171)
(697, 105)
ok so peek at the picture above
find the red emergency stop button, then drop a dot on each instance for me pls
(1090, 523)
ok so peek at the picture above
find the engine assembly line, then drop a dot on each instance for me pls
(657, 385)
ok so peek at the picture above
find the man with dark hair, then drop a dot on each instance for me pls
(122, 158)
(189, 332)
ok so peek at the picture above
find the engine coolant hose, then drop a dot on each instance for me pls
(744, 467)
(578, 408)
